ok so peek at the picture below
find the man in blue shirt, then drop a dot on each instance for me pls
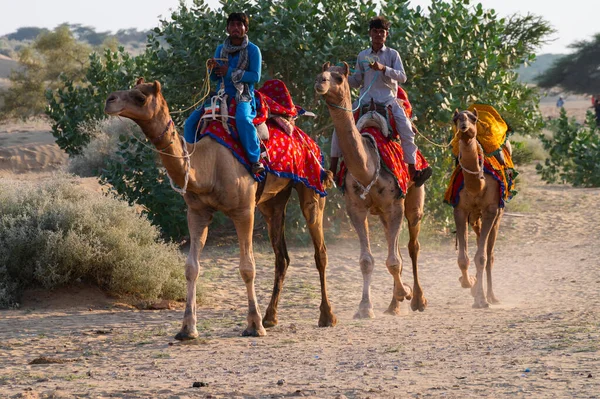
(237, 65)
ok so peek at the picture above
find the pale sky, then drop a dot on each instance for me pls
(574, 20)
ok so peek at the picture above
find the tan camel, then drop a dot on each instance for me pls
(218, 182)
(478, 206)
(383, 199)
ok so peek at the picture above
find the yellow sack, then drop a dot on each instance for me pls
(491, 129)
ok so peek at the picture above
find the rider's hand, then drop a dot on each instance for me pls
(377, 66)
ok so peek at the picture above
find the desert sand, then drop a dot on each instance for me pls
(542, 341)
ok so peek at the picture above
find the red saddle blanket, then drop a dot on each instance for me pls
(295, 156)
(393, 159)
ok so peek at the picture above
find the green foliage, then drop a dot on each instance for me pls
(454, 54)
(75, 103)
(574, 151)
(54, 57)
(577, 72)
(57, 233)
(521, 153)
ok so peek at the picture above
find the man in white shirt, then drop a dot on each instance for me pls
(378, 72)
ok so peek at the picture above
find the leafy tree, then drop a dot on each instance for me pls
(454, 54)
(26, 33)
(574, 152)
(577, 72)
(50, 59)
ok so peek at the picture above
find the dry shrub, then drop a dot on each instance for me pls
(55, 233)
(103, 145)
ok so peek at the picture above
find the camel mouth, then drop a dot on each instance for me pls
(112, 111)
(320, 90)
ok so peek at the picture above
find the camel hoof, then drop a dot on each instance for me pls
(468, 283)
(365, 314)
(269, 323)
(253, 332)
(407, 294)
(393, 311)
(186, 336)
(327, 321)
(493, 300)
(418, 304)
(481, 305)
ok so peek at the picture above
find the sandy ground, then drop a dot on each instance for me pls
(543, 341)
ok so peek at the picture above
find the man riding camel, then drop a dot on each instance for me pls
(378, 72)
(237, 64)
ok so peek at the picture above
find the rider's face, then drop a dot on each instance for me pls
(378, 36)
(236, 29)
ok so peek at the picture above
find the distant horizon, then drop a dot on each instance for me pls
(571, 24)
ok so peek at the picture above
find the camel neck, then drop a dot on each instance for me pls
(356, 155)
(470, 161)
(162, 133)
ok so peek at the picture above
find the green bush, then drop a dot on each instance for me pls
(55, 233)
(574, 151)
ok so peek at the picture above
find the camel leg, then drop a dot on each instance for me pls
(491, 298)
(313, 206)
(392, 222)
(460, 220)
(488, 220)
(244, 223)
(273, 211)
(358, 218)
(413, 210)
(198, 221)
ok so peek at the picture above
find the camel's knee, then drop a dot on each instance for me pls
(248, 272)
(367, 264)
(191, 271)
(414, 246)
(321, 258)
(480, 261)
(414, 216)
(394, 265)
(463, 262)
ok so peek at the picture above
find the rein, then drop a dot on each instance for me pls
(480, 168)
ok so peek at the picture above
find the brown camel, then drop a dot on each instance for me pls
(216, 181)
(478, 206)
(383, 198)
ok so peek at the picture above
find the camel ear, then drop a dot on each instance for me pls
(139, 81)
(326, 66)
(346, 68)
(157, 87)
(455, 116)
(474, 113)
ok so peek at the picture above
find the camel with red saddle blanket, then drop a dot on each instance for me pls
(373, 185)
(214, 179)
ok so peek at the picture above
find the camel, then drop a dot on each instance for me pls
(478, 206)
(216, 181)
(383, 199)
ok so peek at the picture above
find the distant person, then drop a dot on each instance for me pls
(560, 102)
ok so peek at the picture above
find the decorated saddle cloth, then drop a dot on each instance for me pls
(288, 152)
(392, 158)
(491, 134)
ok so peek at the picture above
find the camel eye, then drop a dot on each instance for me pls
(138, 97)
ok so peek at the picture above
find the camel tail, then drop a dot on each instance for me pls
(328, 179)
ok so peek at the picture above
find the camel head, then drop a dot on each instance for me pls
(141, 104)
(333, 80)
(466, 123)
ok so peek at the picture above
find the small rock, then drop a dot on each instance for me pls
(199, 384)
(590, 375)
(527, 370)
(281, 382)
